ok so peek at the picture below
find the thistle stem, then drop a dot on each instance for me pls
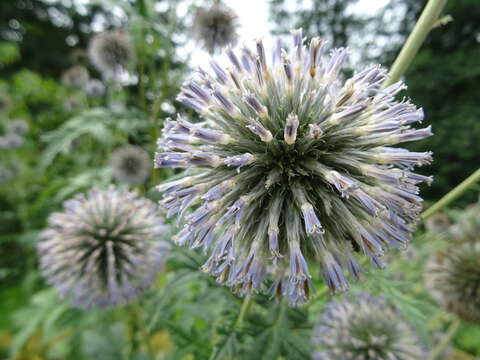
(452, 195)
(445, 340)
(425, 23)
(244, 310)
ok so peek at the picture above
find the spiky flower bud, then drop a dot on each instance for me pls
(111, 52)
(453, 275)
(215, 26)
(104, 248)
(292, 166)
(95, 88)
(17, 126)
(131, 164)
(76, 76)
(365, 328)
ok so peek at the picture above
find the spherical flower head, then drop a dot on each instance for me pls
(438, 223)
(215, 26)
(292, 166)
(111, 52)
(11, 141)
(453, 275)
(131, 164)
(75, 77)
(17, 126)
(95, 88)
(365, 328)
(104, 248)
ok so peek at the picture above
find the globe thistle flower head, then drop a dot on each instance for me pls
(95, 88)
(111, 52)
(17, 126)
(453, 275)
(291, 168)
(438, 223)
(75, 77)
(365, 328)
(215, 26)
(11, 141)
(104, 248)
(131, 164)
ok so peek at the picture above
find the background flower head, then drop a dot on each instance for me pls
(215, 26)
(76, 77)
(130, 164)
(111, 52)
(365, 328)
(453, 275)
(292, 165)
(104, 247)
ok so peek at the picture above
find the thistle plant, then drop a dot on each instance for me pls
(95, 88)
(365, 328)
(292, 165)
(215, 26)
(438, 223)
(104, 248)
(111, 52)
(17, 126)
(131, 164)
(453, 275)
(75, 77)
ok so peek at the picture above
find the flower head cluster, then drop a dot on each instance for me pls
(111, 52)
(76, 77)
(366, 328)
(291, 165)
(14, 132)
(215, 26)
(104, 248)
(453, 275)
(131, 164)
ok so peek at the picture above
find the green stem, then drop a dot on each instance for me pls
(416, 38)
(452, 195)
(244, 310)
(439, 349)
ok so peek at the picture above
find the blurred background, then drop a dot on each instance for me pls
(74, 116)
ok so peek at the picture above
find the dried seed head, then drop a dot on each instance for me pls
(104, 247)
(313, 177)
(365, 328)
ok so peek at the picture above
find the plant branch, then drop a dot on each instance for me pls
(455, 193)
(428, 19)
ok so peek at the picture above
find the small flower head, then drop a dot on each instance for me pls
(76, 76)
(438, 223)
(17, 126)
(5, 174)
(215, 26)
(11, 141)
(131, 164)
(111, 52)
(302, 165)
(365, 328)
(453, 275)
(95, 88)
(103, 248)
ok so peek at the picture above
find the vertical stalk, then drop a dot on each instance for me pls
(459, 190)
(416, 38)
(243, 310)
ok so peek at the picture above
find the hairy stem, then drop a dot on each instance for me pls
(439, 349)
(425, 23)
(455, 193)
(244, 310)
